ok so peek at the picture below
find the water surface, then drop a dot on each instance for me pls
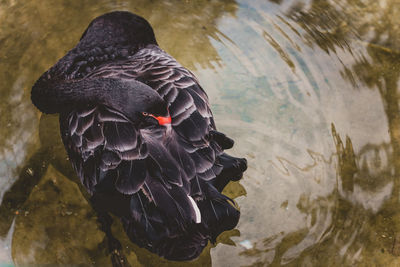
(308, 89)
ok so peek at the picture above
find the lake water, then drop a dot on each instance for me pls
(308, 89)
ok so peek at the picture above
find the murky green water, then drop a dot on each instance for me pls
(308, 89)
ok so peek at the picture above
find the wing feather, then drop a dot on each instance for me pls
(105, 142)
(131, 176)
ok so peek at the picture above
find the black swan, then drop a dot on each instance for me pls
(140, 135)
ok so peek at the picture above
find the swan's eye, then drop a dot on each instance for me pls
(145, 114)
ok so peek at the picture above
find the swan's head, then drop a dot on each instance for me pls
(138, 101)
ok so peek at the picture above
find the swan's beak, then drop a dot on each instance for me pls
(166, 122)
(163, 120)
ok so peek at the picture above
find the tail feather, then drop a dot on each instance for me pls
(162, 226)
(232, 170)
(220, 213)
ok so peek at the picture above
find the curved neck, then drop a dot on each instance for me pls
(55, 96)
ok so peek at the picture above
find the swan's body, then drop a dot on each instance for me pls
(141, 136)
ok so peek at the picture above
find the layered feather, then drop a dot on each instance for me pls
(159, 181)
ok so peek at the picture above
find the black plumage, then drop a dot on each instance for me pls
(140, 134)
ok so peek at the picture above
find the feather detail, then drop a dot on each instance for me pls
(196, 210)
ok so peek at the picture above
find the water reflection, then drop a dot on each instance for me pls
(349, 225)
(358, 221)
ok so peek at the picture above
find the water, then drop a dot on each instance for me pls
(308, 89)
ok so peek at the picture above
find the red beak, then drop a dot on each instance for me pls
(163, 120)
